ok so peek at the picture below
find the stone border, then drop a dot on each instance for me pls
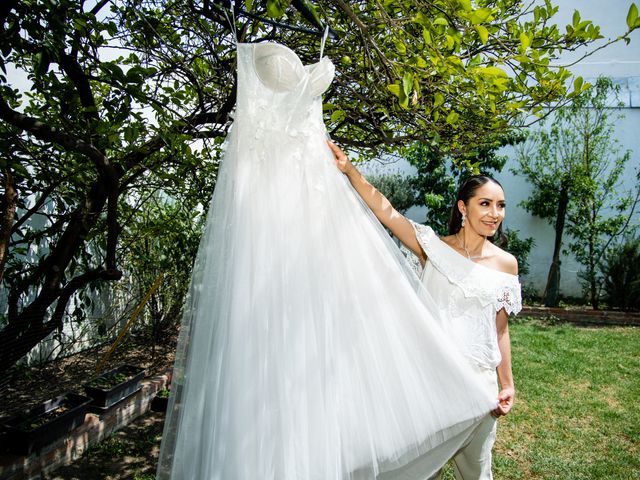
(584, 316)
(96, 427)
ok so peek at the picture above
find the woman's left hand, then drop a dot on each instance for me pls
(506, 398)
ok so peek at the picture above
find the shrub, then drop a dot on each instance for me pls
(519, 248)
(621, 272)
(396, 187)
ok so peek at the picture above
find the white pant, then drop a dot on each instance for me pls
(472, 460)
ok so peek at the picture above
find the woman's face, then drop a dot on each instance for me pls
(485, 211)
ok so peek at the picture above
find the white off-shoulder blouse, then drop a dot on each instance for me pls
(468, 296)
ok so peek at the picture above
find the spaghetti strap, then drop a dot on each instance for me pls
(324, 40)
(232, 20)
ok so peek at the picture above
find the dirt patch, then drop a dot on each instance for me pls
(30, 386)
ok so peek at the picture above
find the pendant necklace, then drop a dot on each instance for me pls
(464, 247)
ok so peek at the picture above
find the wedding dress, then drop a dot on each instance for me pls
(308, 349)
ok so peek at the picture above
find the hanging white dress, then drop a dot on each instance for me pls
(308, 350)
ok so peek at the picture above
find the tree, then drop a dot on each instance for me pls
(160, 240)
(129, 97)
(91, 131)
(438, 176)
(453, 74)
(621, 273)
(575, 168)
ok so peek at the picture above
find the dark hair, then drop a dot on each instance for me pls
(465, 192)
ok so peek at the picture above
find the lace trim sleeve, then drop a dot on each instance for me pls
(413, 260)
(510, 298)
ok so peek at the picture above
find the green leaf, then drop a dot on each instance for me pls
(441, 21)
(490, 71)
(465, 4)
(422, 19)
(480, 15)
(407, 83)
(276, 8)
(450, 42)
(576, 18)
(395, 89)
(41, 63)
(438, 99)
(483, 32)
(403, 99)
(401, 47)
(632, 16)
(577, 84)
(426, 35)
(452, 118)
(130, 134)
(524, 41)
(112, 28)
(338, 116)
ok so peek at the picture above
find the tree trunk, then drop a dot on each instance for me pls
(593, 216)
(551, 295)
(593, 285)
(10, 203)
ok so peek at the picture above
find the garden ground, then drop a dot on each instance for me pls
(576, 414)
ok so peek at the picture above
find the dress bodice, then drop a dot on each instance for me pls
(281, 70)
(277, 92)
(468, 296)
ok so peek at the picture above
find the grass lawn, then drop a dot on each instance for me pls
(577, 413)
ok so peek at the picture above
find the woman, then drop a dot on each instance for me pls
(474, 284)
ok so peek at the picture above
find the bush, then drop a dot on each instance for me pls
(519, 248)
(529, 294)
(621, 272)
(396, 187)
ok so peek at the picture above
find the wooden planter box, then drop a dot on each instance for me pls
(45, 423)
(113, 386)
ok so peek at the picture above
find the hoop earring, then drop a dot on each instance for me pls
(463, 220)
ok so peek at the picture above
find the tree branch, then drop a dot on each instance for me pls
(80, 81)
(47, 133)
(41, 201)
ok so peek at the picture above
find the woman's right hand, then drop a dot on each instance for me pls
(342, 162)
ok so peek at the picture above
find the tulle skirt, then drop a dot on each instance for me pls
(308, 349)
